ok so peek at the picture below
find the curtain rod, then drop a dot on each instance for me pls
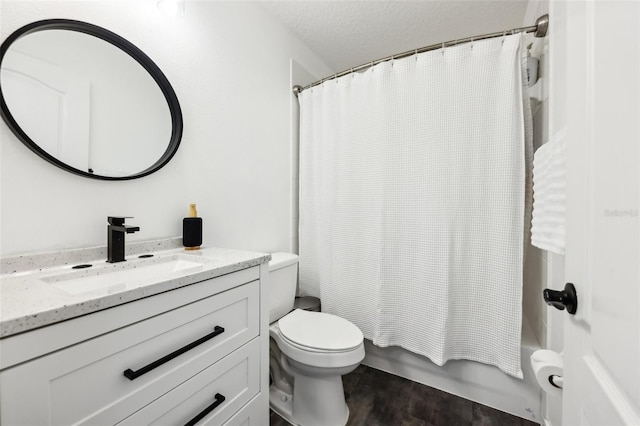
(540, 30)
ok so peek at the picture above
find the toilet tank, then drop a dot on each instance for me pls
(283, 277)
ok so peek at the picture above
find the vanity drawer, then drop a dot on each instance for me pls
(255, 413)
(86, 384)
(211, 397)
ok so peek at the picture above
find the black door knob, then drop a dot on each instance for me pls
(561, 299)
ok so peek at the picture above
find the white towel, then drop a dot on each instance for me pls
(549, 187)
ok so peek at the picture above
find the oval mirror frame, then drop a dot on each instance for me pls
(127, 47)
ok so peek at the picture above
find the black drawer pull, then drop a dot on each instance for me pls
(130, 374)
(219, 400)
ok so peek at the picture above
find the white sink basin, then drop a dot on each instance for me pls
(121, 276)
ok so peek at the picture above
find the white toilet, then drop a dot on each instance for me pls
(309, 353)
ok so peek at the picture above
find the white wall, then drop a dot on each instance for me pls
(229, 63)
(299, 77)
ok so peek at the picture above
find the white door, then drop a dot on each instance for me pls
(51, 105)
(601, 101)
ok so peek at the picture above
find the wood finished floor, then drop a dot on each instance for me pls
(376, 398)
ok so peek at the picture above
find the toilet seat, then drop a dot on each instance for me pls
(319, 331)
(308, 349)
(348, 351)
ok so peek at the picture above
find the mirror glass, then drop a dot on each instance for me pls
(88, 102)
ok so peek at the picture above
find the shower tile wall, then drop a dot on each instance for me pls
(534, 281)
(536, 267)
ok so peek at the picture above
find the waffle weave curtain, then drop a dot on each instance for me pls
(413, 181)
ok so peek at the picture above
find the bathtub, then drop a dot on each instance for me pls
(471, 380)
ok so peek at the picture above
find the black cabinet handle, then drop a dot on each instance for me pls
(219, 400)
(131, 375)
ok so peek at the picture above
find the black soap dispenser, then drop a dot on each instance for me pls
(192, 230)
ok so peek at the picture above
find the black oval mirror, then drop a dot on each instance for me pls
(87, 100)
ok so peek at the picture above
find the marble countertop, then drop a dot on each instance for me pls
(31, 299)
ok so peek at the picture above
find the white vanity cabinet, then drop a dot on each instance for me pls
(194, 355)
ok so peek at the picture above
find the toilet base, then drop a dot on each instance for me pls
(282, 404)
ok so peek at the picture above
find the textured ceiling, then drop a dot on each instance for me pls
(349, 33)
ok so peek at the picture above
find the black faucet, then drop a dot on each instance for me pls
(115, 237)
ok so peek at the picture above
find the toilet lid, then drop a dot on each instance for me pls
(319, 330)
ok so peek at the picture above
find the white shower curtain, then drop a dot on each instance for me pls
(412, 201)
